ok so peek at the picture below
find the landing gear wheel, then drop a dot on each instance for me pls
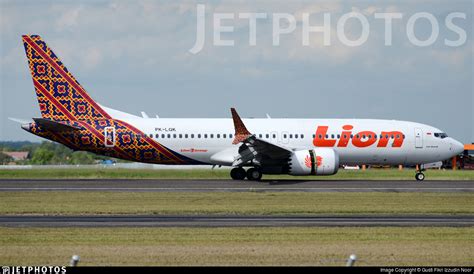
(420, 176)
(254, 174)
(238, 173)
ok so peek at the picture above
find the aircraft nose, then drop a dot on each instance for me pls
(457, 147)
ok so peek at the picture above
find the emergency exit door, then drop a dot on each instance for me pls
(418, 138)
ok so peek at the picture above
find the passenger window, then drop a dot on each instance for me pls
(205, 136)
(291, 136)
(174, 136)
(199, 136)
(180, 136)
(338, 136)
(284, 136)
(163, 135)
(218, 136)
(296, 136)
(212, 136)
(332, 136)
(224, 136)
(274, 136)
(169, 136)
(186, 136)
(157, 136)
(192, 136)
(230, 135)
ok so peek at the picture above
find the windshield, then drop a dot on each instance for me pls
(441, 135)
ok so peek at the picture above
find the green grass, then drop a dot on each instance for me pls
(234, 203)
(381, 246)
(112, 173)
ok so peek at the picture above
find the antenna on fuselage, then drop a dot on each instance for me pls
(144, 115)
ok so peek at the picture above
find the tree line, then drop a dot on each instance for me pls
(48, 153)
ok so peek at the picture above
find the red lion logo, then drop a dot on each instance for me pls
(307, 161)
(319, 161)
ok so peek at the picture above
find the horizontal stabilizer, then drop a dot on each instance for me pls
(20, 121)
(54, 125)
(117, 114)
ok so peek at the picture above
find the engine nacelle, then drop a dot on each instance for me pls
(319, 161)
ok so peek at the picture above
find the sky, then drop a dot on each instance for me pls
(135, 56)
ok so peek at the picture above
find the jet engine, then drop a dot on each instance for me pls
(319, 161)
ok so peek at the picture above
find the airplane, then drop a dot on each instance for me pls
(252, 147)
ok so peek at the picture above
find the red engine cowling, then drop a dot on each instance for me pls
(319, 161)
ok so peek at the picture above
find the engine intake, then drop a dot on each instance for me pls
(319, 161)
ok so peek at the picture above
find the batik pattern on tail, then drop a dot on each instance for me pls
(60, 96)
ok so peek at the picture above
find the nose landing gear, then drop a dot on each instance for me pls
(420, 176)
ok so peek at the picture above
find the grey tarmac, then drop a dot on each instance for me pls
(170, 185)
(235, 221)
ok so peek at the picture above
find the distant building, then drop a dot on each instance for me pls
(17, 155)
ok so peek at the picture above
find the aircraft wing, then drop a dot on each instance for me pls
(54, 125)
(255, 149)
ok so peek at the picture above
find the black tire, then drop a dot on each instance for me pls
(420, 176)
(254, 174)
(238, 173)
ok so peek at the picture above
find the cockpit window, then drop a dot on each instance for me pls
(441, 135)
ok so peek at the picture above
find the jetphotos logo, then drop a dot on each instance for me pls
(33, 270)
(333, 25)
(360, 139)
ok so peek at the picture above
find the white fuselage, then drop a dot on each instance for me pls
(210, 140)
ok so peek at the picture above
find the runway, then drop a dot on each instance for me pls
(233, 221)
(168, 185)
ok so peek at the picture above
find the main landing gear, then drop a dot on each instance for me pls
(253, 174)
(420, 176)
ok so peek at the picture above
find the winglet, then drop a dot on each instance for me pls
(241, 132)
